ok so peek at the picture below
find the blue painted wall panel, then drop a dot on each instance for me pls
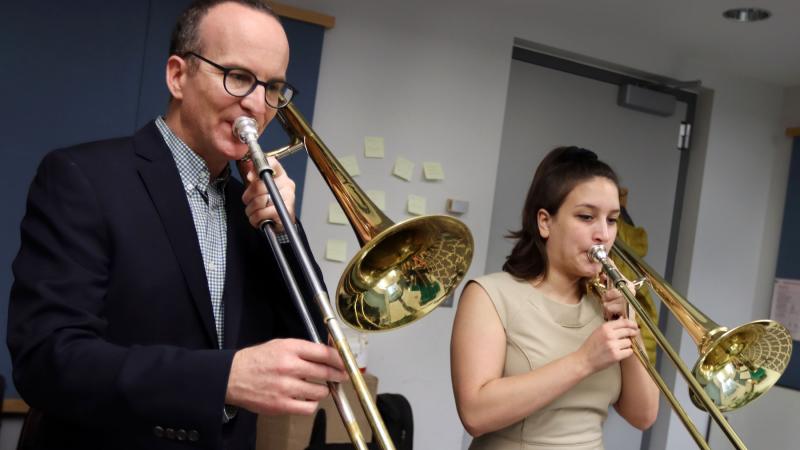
(789, 253)
(70, 74)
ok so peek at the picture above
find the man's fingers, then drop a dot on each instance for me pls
(277, 168)
(320, 353)
(259, 202)
(308, 390)
(254, 189)
(283, 376)
(317, 371)
(245, 168)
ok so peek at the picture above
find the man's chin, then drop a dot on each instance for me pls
(234, 151)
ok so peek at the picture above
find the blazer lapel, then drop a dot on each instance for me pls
(234, 272)
(160, 176)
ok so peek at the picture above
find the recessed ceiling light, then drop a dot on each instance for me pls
(746, 14)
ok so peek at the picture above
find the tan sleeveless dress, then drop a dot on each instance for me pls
(539, 330)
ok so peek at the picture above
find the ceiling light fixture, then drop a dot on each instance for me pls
(746, 14)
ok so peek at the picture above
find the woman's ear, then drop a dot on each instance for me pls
(176, 75)
(543, 220)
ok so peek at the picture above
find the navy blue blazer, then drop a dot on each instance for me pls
(110, 327)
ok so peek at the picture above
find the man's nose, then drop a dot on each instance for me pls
(255, 102)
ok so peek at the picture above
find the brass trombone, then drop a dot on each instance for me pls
(402, 272)
(735, 366)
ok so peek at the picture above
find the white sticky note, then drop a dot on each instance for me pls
(432, 170)
(416, 204)
(336, 250)
(336, 214)
(373, 147)
(403, 168)
(379, 198)
(786, 305)
(350, 165)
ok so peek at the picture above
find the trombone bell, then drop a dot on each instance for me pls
(735, 366)
(404, 270)
(740, 365)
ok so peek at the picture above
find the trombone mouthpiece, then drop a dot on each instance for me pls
(597, 253)
(245, 127)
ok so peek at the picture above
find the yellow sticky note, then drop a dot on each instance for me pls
(350, 165)
(403, 168)
(336, 214)
(336, 250)
(373, 147)
(379, 198)
(432, 170)
(416, 205)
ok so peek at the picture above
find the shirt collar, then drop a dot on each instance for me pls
(192, 168)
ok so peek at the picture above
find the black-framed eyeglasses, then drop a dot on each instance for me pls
(241, 82)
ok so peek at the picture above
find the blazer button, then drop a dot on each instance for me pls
(158, 431)
(170, 433)
(181, 435)
(194, 436)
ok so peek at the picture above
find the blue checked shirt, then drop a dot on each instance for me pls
(207, 202)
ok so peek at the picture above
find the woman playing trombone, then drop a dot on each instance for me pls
(536, 361)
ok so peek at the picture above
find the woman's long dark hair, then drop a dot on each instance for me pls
(558, 173)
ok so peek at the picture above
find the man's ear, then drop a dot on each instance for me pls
(177, 70)
(543, 221)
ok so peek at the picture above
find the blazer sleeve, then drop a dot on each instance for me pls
(62, 362)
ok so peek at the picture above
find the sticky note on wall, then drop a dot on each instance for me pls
(373, 147)
(336, 214)
(432, 171)
(350, 165)
(379, 198)
(336, 250)
(416, 204)
(403, 168)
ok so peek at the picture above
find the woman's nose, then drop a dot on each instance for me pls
(601, 233)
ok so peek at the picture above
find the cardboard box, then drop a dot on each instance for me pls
(292, 432)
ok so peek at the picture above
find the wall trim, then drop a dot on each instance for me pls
(304, 15)
(15, 406)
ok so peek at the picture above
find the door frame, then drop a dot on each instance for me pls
(572, 64)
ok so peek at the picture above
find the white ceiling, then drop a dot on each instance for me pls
(690, 29)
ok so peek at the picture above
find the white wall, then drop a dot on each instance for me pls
(379, 79)
(738, 211)
(770, 422)
(433, 80)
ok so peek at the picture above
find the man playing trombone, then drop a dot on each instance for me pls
(145, 308)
